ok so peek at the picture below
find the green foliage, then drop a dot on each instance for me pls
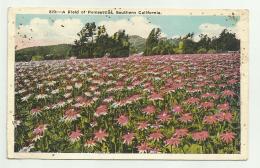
(155, 45)
(226, 41)
(102, 42)
(94, 42)
(190, 46)
(53, 52)
(152, 41)
(166, 47)
(85, 44)
(202, 51)
(37, 58)
(137, 44)
(133, 50)
(181, 45)
(204, 42)
(211, 51)
(121, 45)
(194, 148)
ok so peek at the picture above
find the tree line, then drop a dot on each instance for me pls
(155, 45)
(94, 42)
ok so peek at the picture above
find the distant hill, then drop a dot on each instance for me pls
(137, 44)
(63, 51)
(60, 51)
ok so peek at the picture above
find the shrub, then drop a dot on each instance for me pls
(212, 51)
(36, 58)
(202, 51)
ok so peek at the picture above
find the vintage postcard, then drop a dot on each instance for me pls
(119, 83)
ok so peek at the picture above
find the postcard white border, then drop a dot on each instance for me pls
(244, 16)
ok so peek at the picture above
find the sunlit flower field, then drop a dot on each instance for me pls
(155, 104)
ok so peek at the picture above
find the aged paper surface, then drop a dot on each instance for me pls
(118, 83)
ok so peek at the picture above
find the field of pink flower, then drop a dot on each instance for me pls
(156, 104)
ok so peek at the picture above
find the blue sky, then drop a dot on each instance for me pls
(171, 25)
(48, 27)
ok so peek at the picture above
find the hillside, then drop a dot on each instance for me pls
(60, 51)
(63, 51)
(137, 44)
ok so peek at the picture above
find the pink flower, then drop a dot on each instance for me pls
(80, 99)
(207, 105)
(143, 148)
(177, 109)
(222, 116)
(134, 98)
(210, 119)
(232, 81)
(173, 141)
(156, 136)
(90, 143)
(192, 100)
(200, 136)
(181, 132)
(122, 120)
(194, 90)
(128, 138)
(36, 111)
(217, 77)
(210, 95)
(100, 135)
(71, 115)
(222, 85)
(142, 125)
(149, 110)
(227, 137)
(185, 118)
(156, 96)
(164, 117)
(223, 107)
(135, 83)
(101, 110)
(228, 93)
(40, 129)
(75, 135)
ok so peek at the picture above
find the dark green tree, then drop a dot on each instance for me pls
(120, 44)
(102, 42)
(204, 42)
(84, 47)
(226, 41)
(152, 41)
(94, 42)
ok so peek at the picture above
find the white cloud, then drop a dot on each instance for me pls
(49, 32)
(136, 25)
(46, 32)
(211, 29)
(215, 29)
(176, 36)
(61, 31)
(196, 38)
